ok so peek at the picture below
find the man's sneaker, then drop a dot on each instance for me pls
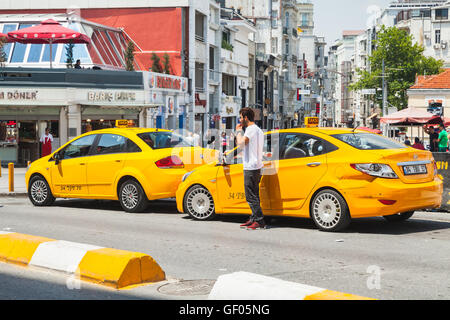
(245, 225)
(257, 225)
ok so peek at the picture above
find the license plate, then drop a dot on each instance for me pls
(415, 169)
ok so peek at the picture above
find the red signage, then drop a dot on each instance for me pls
(168, 83)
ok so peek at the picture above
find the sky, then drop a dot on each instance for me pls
(331, 17)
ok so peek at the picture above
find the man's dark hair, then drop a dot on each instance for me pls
(249, 113)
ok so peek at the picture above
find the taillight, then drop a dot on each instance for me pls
(435, 168)
(380, 170)
(388, 202)
(171, 162)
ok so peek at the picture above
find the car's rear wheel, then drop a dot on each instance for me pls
(132, 197)
(199, 203)
(39, 192)
(399, 216)
(329, 211)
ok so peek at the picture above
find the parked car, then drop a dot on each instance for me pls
(330, 175)
(132, 165)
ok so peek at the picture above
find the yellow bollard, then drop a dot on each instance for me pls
(11, 176)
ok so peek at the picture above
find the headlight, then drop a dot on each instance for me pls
(375, 169)
(186, 175)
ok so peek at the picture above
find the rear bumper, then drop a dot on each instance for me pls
(365, 202)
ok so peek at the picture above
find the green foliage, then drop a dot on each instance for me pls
(129, 57)
(156, 64)
(69, 54)
(226, 45)
(403, 62)
(2, 52)
(166, 64)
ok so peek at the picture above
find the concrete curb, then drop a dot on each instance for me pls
(105, 266)
(250, 286)
(14, 194)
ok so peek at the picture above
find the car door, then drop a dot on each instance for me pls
(230, 184)
(302, 164)
(68, 176)
(108, 158)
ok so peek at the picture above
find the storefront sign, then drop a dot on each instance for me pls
(106, 96)
(18, 95)
(167, 82)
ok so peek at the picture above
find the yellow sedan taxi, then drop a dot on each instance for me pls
(132, 165)
(330, 175)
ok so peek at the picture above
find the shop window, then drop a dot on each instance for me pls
(35, 53)
(7, 47)
(46, 55)
(19, 48)
(8, 132)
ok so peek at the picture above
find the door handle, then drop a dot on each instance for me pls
(314, 164)
(82, 164)
(118, 160)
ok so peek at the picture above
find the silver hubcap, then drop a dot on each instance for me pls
(327, 210)
(200, 203)
(39, 191)
(130, 196)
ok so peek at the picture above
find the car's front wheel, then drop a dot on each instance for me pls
(199, 203)
(132, 197)
(39, 192)
(329, 211)
(399, 216)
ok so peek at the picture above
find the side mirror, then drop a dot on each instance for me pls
(57, 158)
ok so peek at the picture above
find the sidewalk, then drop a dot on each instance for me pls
(19, 182)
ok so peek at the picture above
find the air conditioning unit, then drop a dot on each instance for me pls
(437, 46)
(443, 44)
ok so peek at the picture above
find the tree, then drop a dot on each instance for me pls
(2, 52)
(69, 54)
(403, 62)
(166, 64)
(156, 65)
(129, 56)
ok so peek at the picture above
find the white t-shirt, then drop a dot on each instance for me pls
(253, 151)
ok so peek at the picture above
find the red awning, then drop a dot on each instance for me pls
(408, 116)
(370, 130)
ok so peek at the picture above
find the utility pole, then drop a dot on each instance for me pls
(383, 76)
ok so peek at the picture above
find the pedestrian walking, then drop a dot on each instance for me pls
(250, 138)
(434, 136)
(224, 142)
(442, 139)
(46, 141)
(417, 144)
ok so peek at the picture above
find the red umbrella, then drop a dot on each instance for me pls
(48, 32)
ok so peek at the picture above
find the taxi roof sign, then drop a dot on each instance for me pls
(123, 123)
(311, 122)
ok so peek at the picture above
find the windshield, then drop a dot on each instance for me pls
(368, 141)
(161, 140)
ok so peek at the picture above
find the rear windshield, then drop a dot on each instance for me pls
(368, 141)
(162, 140)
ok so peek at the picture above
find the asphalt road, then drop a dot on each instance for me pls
(372, 258)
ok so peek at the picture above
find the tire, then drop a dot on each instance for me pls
(199, 203)
(39, 192)
(329, 211)
(132, 197)
(399, 217)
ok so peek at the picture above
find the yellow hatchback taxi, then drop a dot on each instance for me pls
(328, 174)
(132, 165)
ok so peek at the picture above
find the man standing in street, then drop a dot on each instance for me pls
(46, 141)
(252, 144)
(443, 139)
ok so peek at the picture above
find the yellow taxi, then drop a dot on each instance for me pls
(330, 175)
(132, 165)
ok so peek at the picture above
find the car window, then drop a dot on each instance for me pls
(112, 143)
(78, 148)
(270, 150)
(132, 147)
(368, 141)
(297, 145)
(164, 139)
